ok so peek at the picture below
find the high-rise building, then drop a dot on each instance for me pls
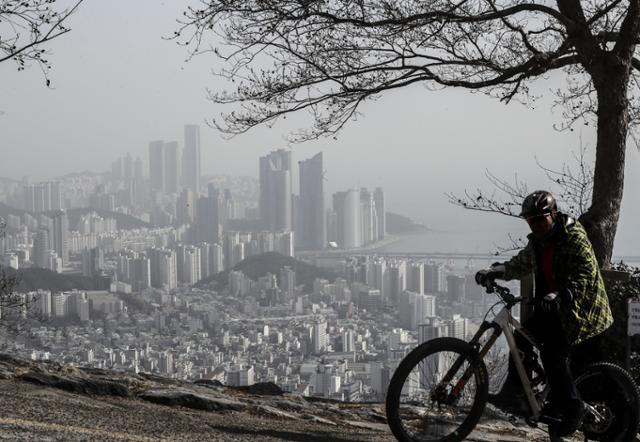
(163, 166)
(312, 232)
(41, 248)
(188, 264)
(217, 258)
(415, 277)
(60, 235)
(172, 167)
(414, 308)
(43, 197)
(275, 191)
(319, 337)
(288, 282)
(59, 305)
(191, 158)
(185, 207)
(43, 303)
(163, 269)
(381, 211)
(348, 218)
(434, 277)
(140, 273)
(456, 286)
(92, 261)
(165, 364)
(369, 217)
(348, 340)
(397, 280)
(156, 166)
(207, 217)
(231, 240)
(458, 327)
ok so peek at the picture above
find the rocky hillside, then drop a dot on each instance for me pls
(49, 402)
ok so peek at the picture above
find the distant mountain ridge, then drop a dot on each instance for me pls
(401, 225)
(31, 279)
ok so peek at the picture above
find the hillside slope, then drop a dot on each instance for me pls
(45, 401)
(257, 266)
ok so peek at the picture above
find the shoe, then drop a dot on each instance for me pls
(571, 420)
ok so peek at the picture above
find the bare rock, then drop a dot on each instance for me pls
(91, 386)
(190, 399)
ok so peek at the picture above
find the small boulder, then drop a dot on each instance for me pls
(262, 389)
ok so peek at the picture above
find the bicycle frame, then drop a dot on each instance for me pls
(505, 323)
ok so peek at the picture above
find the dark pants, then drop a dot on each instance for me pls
(555, 351)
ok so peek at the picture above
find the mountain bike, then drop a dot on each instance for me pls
(439, 391)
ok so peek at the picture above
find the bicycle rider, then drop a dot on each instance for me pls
(570, 305)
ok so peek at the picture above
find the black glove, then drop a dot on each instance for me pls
(550, 303)
(495, 271)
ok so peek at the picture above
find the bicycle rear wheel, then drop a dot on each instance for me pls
(613, 393)
(437, 393)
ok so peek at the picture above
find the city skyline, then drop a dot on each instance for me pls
(407, 133)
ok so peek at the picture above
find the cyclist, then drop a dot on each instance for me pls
(570, 305)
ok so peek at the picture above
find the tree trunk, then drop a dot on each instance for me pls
(601, 220)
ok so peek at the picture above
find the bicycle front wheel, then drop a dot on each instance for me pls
(437, 393)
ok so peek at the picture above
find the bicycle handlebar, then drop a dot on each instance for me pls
(503, 293)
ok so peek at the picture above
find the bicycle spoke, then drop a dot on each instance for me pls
(426, 410)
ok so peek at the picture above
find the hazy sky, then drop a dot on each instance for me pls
(118, 85)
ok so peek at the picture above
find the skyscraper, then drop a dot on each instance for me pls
(191, 158)
(185, 207)
(312, 232)
(288, 282)
(171, 163)
(434, 277)
(163, 166)
(41, 248)
(381, 211)
(156, 165)
(369, 217)
(60, 235)
(348, 218)
(275, 191)
(207, 217)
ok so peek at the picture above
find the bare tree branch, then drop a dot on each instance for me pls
(26, 25)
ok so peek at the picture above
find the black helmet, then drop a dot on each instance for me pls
(539, 202)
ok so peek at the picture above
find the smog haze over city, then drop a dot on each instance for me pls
(172, 249)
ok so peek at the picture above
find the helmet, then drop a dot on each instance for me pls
(539, 202)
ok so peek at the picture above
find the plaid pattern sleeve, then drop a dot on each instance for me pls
(589, 313)
(520, 265)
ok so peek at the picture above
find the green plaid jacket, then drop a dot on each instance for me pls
(576, 269)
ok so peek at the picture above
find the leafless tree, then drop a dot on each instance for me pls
(26, 26)
(329, 56)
